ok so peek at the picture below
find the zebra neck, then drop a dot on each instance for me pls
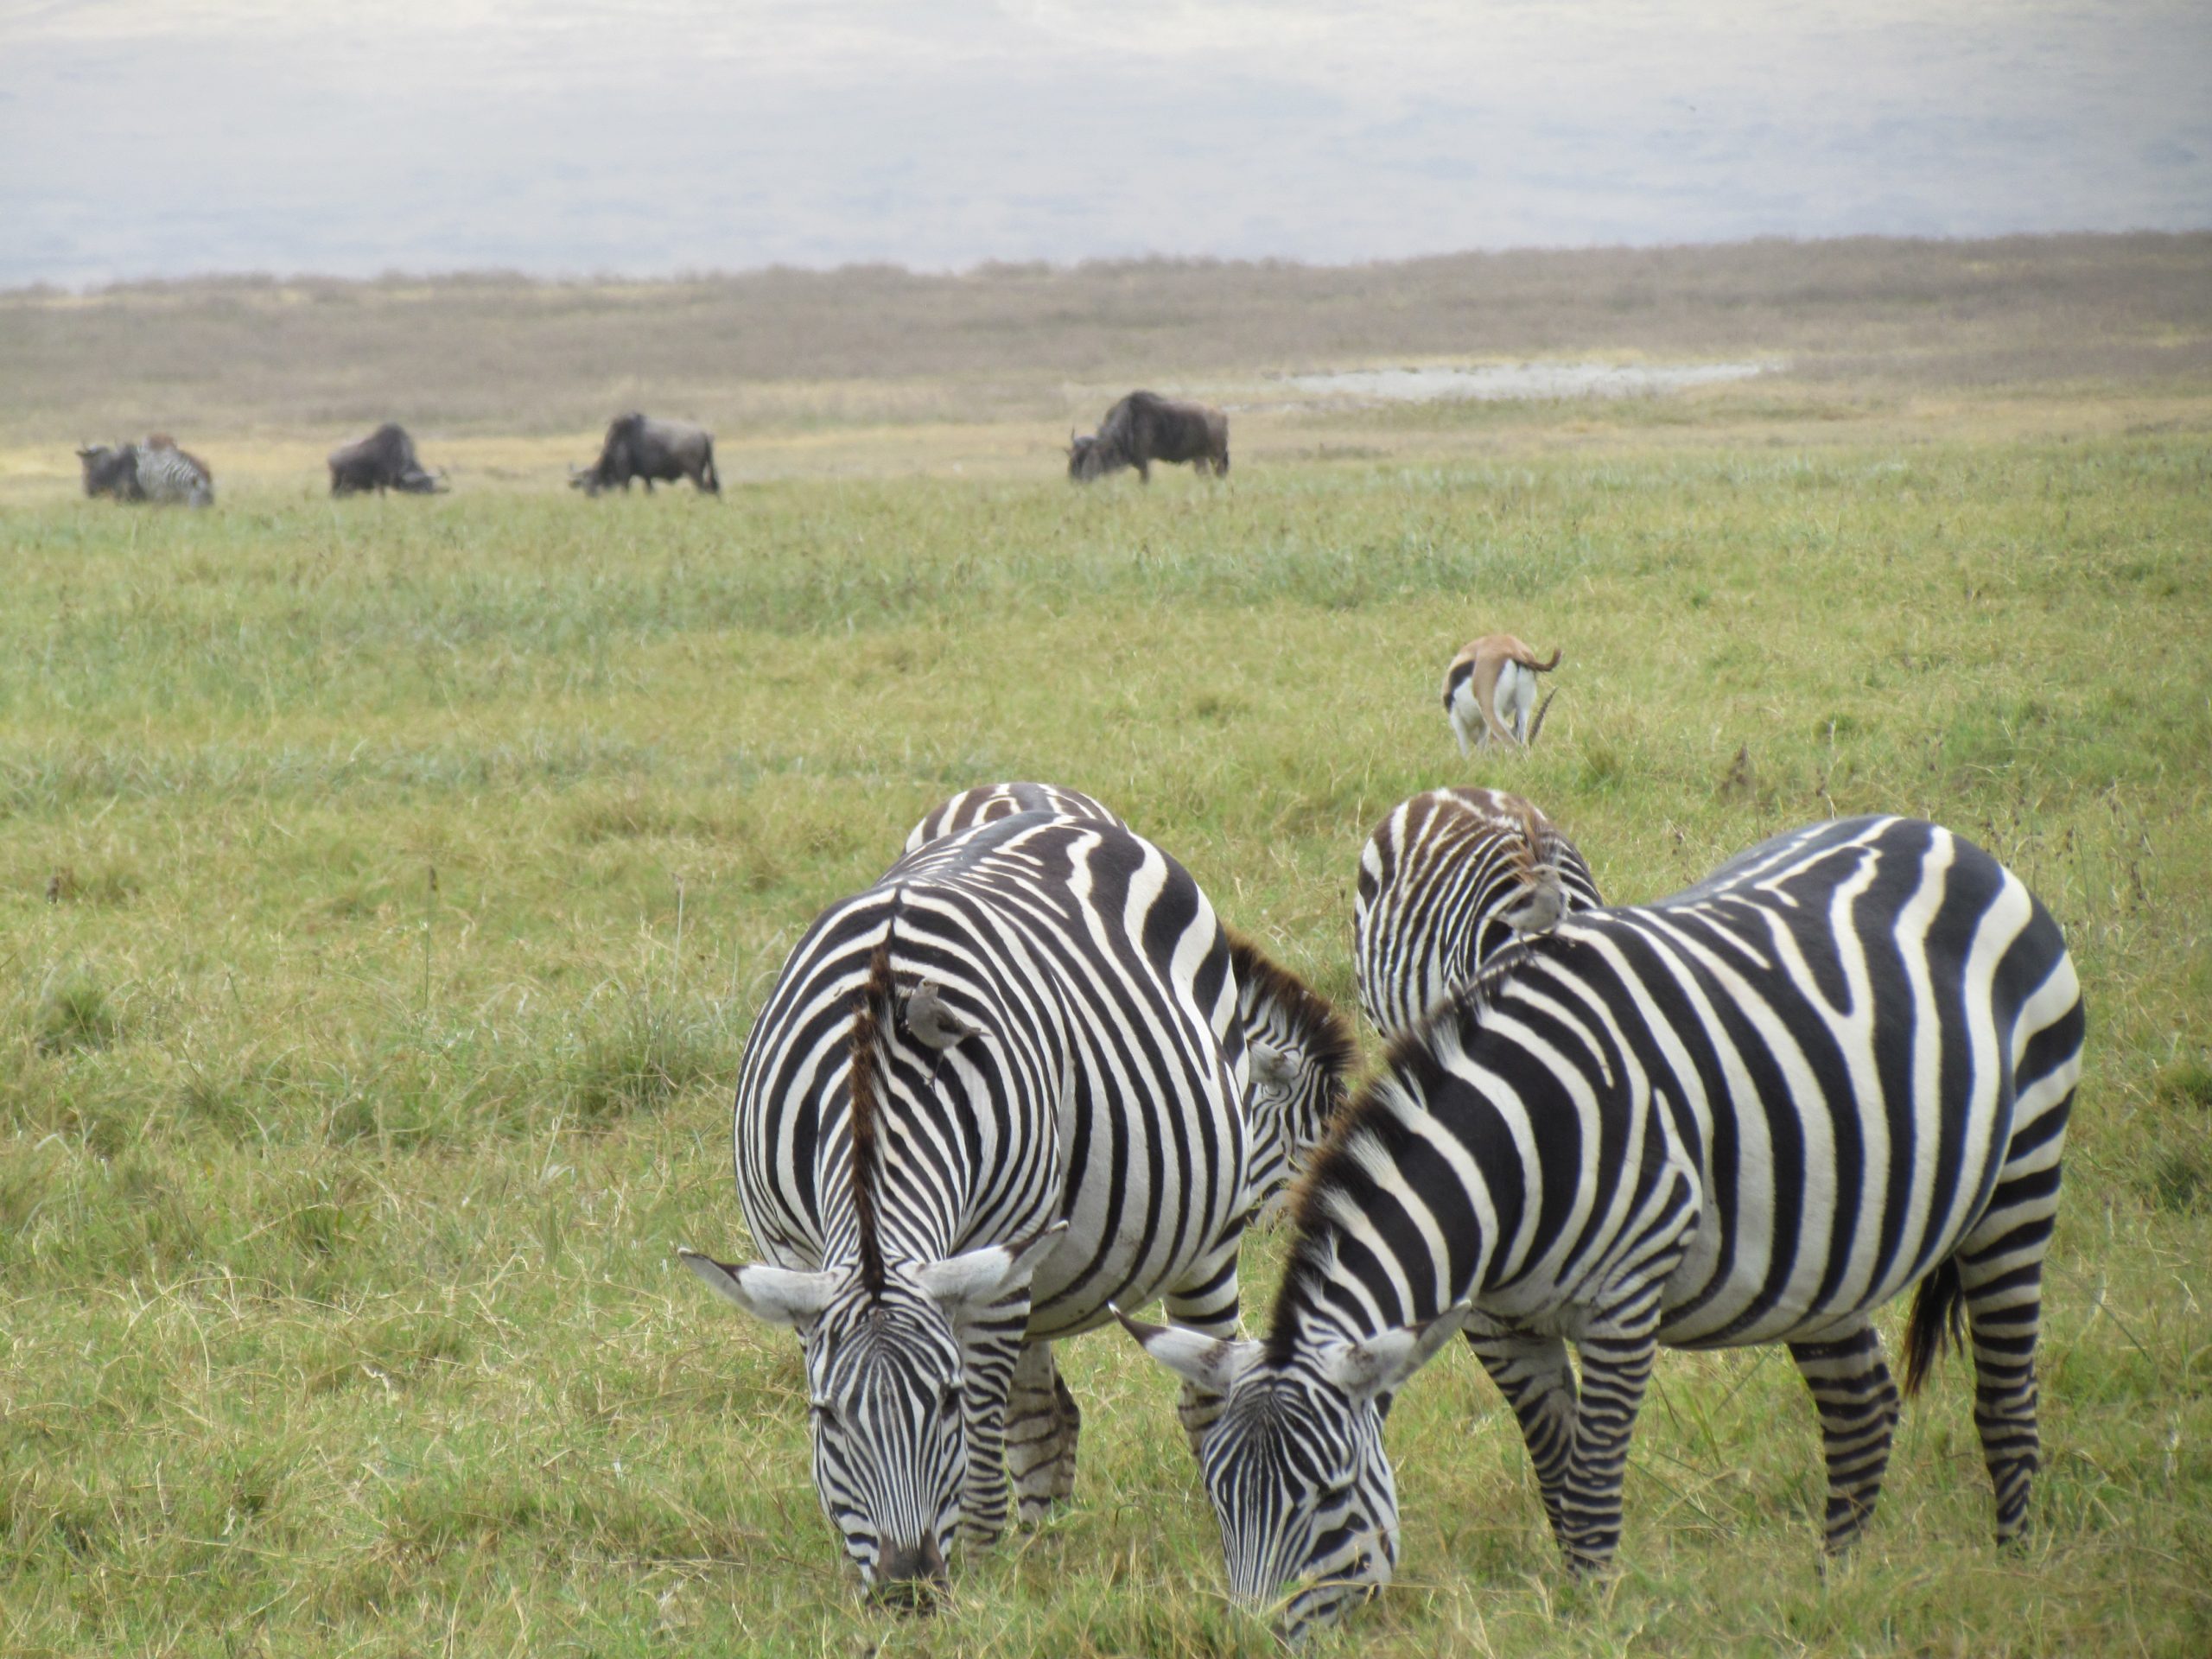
(1353, 1274)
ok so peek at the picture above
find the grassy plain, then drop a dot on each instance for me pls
(386, 888)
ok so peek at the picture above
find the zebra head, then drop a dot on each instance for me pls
(1294, 1465)
(887, 1392)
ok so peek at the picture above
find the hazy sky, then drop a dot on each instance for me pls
(657, 136)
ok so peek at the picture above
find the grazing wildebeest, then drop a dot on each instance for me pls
(110, 469)
(156, 471)
(384, 460)
(648, 449)
(1145, 427)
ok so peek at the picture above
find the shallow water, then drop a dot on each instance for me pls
(1497, 381)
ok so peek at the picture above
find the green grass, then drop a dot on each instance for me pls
(386, 889)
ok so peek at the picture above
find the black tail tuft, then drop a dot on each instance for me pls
(1938, 1317)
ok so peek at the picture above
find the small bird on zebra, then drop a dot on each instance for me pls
(989, 1095)
(1755, 1112)
(155, 471)
(1301, 1050)
(1489, 690)
(1448, 880)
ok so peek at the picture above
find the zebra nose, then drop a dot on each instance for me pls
(911, 1576)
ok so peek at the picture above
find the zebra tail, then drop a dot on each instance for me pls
(1938, 1319)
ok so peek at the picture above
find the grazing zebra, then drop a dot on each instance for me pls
(1753, 1113)
(1445, 882)
(1301, 1050)
(169, 474)
(989, 1095)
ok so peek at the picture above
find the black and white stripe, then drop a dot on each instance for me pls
(1300, 1053)
(168, 475)
(1445, 882)
(1301, 1050)
(1029, 1024)
(1753, 1113)
(989, 802)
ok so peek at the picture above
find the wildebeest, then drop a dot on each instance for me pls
(648, 449)
(384, 460)
(156, 471)
(1145, 427)
(110, 469)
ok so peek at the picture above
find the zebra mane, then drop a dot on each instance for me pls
(1370, 1117)
(1325, 1033)
(872, 1015)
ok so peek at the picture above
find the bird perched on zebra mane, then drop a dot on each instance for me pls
(992, 1093)
(1491, 688)
(1300, 1051)
(1448, 880)
(1753, 1113)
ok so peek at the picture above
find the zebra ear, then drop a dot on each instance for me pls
(980, 1277)
(1380, 1365)
(1204, 1362)
(776, 1294)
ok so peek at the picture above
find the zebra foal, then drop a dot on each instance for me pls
(1753, 1113)
(1447, 880)
(992, 1094)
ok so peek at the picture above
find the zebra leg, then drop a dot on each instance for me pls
(1206, 1300)
(1858, 1404)
(2003, 1285)
(1042, 1422)
(991, 1343)
(1616, 1369)
(1534, 1375)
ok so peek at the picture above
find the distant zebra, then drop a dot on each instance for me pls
(156, 471)
(988, 1096)
(1445, 882)
(166, 474)
(1302, 1050)
(1753, 1113)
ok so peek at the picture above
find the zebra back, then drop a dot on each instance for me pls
(1838, 1040)
(1443, 881)
(988, 802)
(1104, 1087)
(1301, 1050)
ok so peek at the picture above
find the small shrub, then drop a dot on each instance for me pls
(75, 1015)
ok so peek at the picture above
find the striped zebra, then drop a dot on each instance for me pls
(167, 474)
(156, 471)
(1301, 1051)
(1445, 882)
(989, 1095)
(1753, 1113)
